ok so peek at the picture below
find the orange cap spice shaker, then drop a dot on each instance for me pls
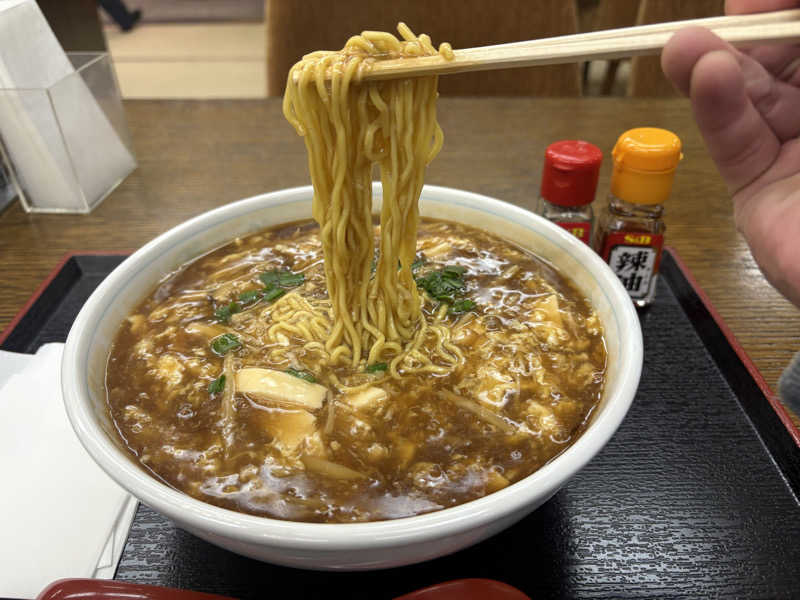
(630, 233)
(569, 182)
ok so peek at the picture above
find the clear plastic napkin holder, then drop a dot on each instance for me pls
(67, 146)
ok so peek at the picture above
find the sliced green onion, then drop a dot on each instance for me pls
(284, 279)
(289, 279)
(270, 278)
(375, 367)
(441, 287)
(216, 386)
(250, 296)
(446, 285)
(223, 313)
(225, 343)
(273, 293)
(461, 306)
(454, 271)
(305, 375)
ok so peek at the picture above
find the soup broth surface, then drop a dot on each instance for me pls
(376, 446)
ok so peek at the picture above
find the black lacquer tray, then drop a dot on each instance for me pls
(695, 496)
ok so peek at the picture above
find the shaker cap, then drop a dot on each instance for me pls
(648, 149)
(571, 169)
(644, 165)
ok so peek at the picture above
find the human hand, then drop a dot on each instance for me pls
(747, 107)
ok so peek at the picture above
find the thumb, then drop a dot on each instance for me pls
(740, 141)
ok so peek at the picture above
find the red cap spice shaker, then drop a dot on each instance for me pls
(569, 182)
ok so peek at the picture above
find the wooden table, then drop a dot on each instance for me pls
(194, 156)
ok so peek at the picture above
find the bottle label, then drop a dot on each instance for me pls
(580, 229)
(635, 258)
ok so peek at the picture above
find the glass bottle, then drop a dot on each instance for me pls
(569, 182)
(630, 232)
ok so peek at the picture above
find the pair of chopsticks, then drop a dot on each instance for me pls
(743, 30)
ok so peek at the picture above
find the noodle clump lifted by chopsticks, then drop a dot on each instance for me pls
(348, 126)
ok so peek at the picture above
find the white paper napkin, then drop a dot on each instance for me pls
(12, 363)
(60, 515)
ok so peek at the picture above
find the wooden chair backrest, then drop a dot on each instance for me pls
(295, 28)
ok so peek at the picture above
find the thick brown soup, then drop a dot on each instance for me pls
(518, 365)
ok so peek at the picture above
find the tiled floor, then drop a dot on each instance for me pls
(225, 60)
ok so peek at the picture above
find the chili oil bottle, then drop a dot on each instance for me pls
(630, 232)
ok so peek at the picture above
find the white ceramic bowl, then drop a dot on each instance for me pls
(343, 546)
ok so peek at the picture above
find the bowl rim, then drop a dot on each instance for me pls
(296, 535)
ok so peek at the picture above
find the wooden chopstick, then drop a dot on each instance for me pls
(779, 16)
(744, 30)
